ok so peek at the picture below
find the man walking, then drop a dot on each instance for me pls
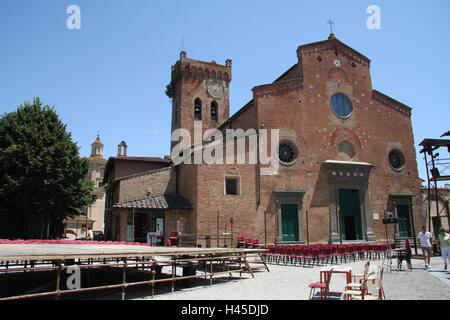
(426, 241)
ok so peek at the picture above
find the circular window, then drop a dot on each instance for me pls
(396, 159)
(287, 153)
(341, 105)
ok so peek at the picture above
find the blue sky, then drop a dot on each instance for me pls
(110, 75)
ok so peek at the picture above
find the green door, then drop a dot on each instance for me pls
(289, 222)
(350, 218)
(404, 224)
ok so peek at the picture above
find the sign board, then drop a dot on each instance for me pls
(152, 237)
(390, 220)
(180, 226)
(160, 226)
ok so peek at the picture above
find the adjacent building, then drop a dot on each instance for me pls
(436, 207)
(92, 216)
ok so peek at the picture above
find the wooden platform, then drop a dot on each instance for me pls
(15, 252)
(27, 258)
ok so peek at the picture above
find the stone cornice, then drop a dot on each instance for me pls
(278, 87)
(388, 101)
(201, 70)
(337, 45)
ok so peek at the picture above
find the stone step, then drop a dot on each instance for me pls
(401, 242)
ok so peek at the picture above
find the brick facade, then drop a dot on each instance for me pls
(138, 186)
(298, 104)
(336, 156)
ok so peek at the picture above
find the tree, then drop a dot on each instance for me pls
(42, 174)
(170, 90)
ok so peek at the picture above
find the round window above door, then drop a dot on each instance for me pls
(396, 160)
(341, 105)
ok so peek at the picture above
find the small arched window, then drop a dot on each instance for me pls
(346, 151)
(214, 108)
(198, 109)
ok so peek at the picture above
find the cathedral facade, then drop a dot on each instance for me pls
(344, 157)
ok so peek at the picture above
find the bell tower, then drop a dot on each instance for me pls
(200, 94)
(97, 148)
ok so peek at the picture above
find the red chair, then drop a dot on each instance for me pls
(323, 286)
(372, 251)
(383, 248)
(291, 255)
(379, 249)
(315, 252)
(404, 254)
(298, 255)
(325, 253)
(366, 250)
(248, 243)
(359, 252)
(350, 252)
(333, 254)
(307, 256)
(281, 254)
(173, 239)
(256, 243)
(272, 254)
(342, 253)
(241, 242)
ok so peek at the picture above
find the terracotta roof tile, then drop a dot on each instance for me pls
(166, 201)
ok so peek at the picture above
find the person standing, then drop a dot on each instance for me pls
(90, 234)
(444, 244)
(426, 241)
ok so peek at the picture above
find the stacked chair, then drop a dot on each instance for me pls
(360, 290)
(243, 242)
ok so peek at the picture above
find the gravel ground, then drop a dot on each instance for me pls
(291, 283)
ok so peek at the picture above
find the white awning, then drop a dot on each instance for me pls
(354, 163)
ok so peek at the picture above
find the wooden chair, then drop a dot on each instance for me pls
(379, 289)
(357, 288)
(404, 254)
(362, 275)
(363, 293)
(323, 286)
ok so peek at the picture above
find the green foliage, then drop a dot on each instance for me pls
(42, 172)
(170, 90)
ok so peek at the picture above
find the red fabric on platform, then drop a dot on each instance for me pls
(81, 242)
